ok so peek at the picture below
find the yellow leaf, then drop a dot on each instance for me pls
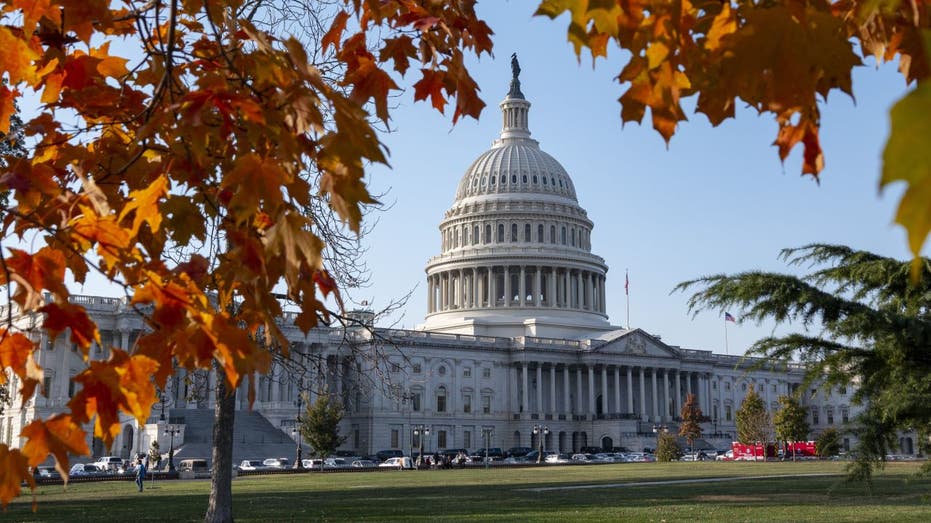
(656, 53)
(723, 25)
(144, 203)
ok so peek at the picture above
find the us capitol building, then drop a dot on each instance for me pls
(516, 337)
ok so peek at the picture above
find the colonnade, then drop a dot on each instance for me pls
(516, 286)
(589, 391)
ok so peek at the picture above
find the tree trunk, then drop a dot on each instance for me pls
(220, 507)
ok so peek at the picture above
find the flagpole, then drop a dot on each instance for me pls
(726, 350)
(627, 293)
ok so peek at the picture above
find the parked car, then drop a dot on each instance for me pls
(312, 463)
(494, 453)
(195, 465)
(110, 464)
(560, 458)
(47, 472)
(252, 464)
(402, 462)
(336, 463)
(362, 464)
(382, 455)
(276, 463)
(516, 452)
(86, 469)
(727, 456)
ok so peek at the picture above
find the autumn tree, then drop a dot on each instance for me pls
(208, 119)
(859, 320)
(781, 58)
(790, 422)
(753, 422)
(692, 417)
(319, 426)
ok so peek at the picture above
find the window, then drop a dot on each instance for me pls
(544, 180)
(513, 232)
(475, 235)
(467, 438)
(535, 178)
(845, 415)
(486, 404)
(47, 386)
(527, 237)
(71, 388)
(830, 415)
(727, 413)
(552, 234)
(441, 439)
(417, 368)
(842, 391)
(743, 387)
(814, 416)
(355, 438)
(564, 235)
(487, 238)
(540, 233)
(486, 372)
(500, 233)
(456, 238)
(441, 370)
(573, 238)
(441, 399)
(467, 372)
(523, 178)
(395, 439)
(467, 403)
(492, 180)
(415, 401)
(773, 388)
(513, 178)
(714, 385)
(504, 178)
(727, 385)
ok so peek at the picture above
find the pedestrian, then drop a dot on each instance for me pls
(140, 473)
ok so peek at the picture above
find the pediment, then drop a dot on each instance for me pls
(636, 343)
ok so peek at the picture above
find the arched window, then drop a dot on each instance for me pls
(456, 238)
(573, 237)
(552, 234)
(483, 181)
(527, 237)
(475, 235)
(544, 180)
(500, 233)
(504, 178)
(492, 180)
(524, 178)
(513, 178)
(513, 232)
(487, 233)
(540, 233)
(564, 235)
(535, 178)
(441, 399)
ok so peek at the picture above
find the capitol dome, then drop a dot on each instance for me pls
(516, 254)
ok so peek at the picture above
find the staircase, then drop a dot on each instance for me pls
(253, 436)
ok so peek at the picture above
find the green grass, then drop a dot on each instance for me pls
(503, 495)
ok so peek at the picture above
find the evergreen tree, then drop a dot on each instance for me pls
(11, 146)
(828, 443)
(319, 426)
(866, 320)
(791, 421)
(691, 414)
(753, 423)
(667, 447)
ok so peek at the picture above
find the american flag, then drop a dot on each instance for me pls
(728, 317)
(626, 284)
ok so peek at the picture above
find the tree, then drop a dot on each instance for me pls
(791, 421)
(12, 147)
(753, 423)
(667, 447)
(210, 120)
(828, 443)
(692, 416)
(779, 57)
(319, 426)
(872, 325)
(155, 455)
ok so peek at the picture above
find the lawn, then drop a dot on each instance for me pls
(809, 491)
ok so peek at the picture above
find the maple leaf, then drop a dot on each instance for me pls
(907, 158)
(14, 469)
(144, 204)
(333, 35)
(17, 354)
(399, 50)
(431, 85)
(58, 436)
(60, 317)
(36, 272)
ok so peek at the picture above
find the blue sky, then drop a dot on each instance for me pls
(718, 200)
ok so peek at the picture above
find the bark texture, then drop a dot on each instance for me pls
(220, 507)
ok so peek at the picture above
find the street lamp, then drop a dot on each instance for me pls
(420, 431)
(172, 430)
(540, 431)
(162, 399)
(487, 432)
(298, 464)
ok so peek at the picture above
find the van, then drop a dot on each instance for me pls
(109, 463)
(195, 465)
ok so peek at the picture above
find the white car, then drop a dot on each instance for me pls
(85, 469)
(312, 463)
(109, 464)
(557, 458)
(251, 465)
(403, 462)
(362, 464)
(335, 463)
(276, 463)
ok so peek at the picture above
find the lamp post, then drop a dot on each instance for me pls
(487, 432)
(420, 431)
(162, 399)
(172, 431)
(298, 463)
(540, 431)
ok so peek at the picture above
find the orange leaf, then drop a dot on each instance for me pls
(332, 37)
(59, 436)
(17, 58)
(63, 316)
(34, 10)
(7, 108)
(17, 354)
(35, 273)
(14, 469)
(399, 50)
(144, 203)
(431, 85)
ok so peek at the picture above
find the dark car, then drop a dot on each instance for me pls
(518, 452)
(591, 450)
(383, 455)
(494, 453)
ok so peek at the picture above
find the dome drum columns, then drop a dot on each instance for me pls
(515, 286)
